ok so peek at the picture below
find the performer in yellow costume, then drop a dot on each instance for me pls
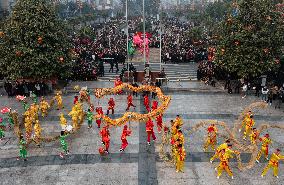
(224, 164)
(34, 112)
(179, 137)
(264, 147)
(37, 130)
(58, 98)
(28, 125)
(246, 116)
(180, 158)
(249, 124)
(74, 116)
(273, 163)
(254, 136)
(63, 121)
(211, 139)
(44, 106)
(178, 121)
(221, 147)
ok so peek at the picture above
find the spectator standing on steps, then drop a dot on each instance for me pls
(264, 92)
(270, 97)
(111, 66)
(279, 98)
(244, 90)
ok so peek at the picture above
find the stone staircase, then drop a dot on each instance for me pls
(174, 72)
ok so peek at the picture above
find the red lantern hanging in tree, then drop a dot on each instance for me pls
(265, 50)
(237, 42)
(40, 40)
(2, 34)
(277, 61)
(61, 59)
(18, 53)
(222, 51)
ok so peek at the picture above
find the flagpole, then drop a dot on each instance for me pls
(160, 19)
(144, 38)
(127, 38)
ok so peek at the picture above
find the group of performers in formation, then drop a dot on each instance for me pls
(224, 152)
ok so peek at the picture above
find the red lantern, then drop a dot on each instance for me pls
(18, 53)
(39, 40)
(223, 51)
(237, 42)
(277, 61)
(266, 50)
(61, 59)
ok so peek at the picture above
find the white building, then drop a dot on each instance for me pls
(103, 4)
(4, 4)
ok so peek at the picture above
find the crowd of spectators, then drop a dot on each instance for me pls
(24, 88)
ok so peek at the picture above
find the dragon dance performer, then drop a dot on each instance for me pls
(76, 100)
(150, 131)
(99, 115)
(58, 99)
(147, 102)
(129, 102)
(28, 122)
(273, 163)
(63, 143)
(118, 82)
(254, 136)
(74, 114)
(264, 147)
(246, 116)
(37, 130)
(2, 134)
(23, 149)
(178, 121)
(63, 121)
(154, 105)
(211, 137)
(159, 120)
(34, 97)
(111, 105)
(90, 118)
(219, 149)
(105, 138)
(25, 104)
(180, 154)
(44, 106)
(224, 164)
(248, 127)
(124, 143)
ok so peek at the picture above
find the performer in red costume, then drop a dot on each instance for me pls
(76, 99)
(154, 105)
(150, 131)
(126, 132)
(99, 115)
(117, 82)
(105, 138)
(147, 103)
(111, 105)
(129, 102)
(159, 120)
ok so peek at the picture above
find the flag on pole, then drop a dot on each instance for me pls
(131, 49)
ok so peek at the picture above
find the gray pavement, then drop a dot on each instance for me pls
(140, 163)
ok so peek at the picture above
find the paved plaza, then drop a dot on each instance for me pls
(139, 164)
